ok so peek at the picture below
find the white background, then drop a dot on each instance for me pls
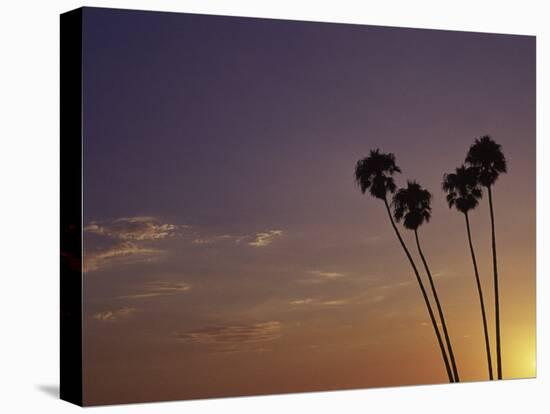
(29, 206)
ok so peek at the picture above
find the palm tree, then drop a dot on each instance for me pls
(486, 155)
(412, 205)
(375, 174)
(463, 193)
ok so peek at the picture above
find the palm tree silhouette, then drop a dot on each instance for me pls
(463, 193)
(375, 174)
(486, 156)
(412, 205)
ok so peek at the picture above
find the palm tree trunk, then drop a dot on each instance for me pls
(423, 290)
(495, 273)
(439, 309)
(481, 302)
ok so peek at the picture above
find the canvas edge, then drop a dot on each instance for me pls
(71, 380)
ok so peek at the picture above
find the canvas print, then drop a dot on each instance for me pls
(274, 206)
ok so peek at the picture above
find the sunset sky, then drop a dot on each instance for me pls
(227, 249)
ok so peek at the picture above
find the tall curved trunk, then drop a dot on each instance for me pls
(481, 301)
(495, 273)
(439, 309)
(423, 290)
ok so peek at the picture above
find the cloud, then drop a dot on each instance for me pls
(374, 299)
(233, 338)
(336, 302)
(305, 301)
(397, 285)
(318, 276)
(133, 228)
(446, 274)
(117, 315)
(261, 239)
(155, 289)
(265, 238)
(356, 300)
(326, 275)
(121, 253)
(362, 298)
(128, 241)
(212, 239)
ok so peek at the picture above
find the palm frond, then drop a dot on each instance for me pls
(374, 173)
(487, 157)
(462, 188)
(412, 205)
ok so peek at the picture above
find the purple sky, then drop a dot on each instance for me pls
(219, 198)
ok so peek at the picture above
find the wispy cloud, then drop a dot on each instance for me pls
(318, 276)
(336, 302)
(261, 239)
(212, 239)
(374, 299)
(396, 285)
(446, 274)
(305, 301)
(326, 275)
(127, 240)
(116, 315)
(121, 253)
(352, 300)
(233, 338)
(133, 228)
(130, 240)
(265, 238)
(155, 289)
